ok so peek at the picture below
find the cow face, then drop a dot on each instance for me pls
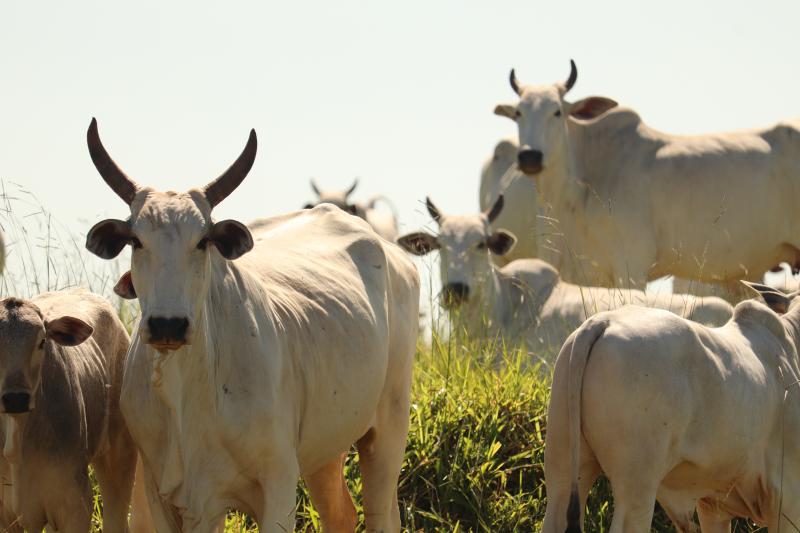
(24, 338)
(338, 198)
(464, 244)
(176, 245)
(541, 116)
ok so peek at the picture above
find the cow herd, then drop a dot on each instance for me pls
(265, 351)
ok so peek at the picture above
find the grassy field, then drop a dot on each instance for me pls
(474, 460)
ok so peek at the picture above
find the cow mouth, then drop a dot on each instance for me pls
(530, 169)
(167, 346)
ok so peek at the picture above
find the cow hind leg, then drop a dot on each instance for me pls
(380, 454)
(633, 506)
(115, 475)
(331, 498)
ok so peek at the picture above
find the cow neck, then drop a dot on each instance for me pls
(792, 320)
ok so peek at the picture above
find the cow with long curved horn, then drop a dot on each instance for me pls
(242, 358)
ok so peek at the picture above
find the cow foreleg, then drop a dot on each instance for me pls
(279, 488)
(712, 519)
(331, 498)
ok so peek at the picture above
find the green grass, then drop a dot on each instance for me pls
(474, 460)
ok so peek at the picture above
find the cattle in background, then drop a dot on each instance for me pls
(499, 175)
(384, 223)
(634, 204)
(526, 301)
(61, 361)
(669, 410)
(263, 353)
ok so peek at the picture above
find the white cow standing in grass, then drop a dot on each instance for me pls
(499, 175)
(384, 223)
(669, 410)
(526, 300)
(635, 204)
(263, 353)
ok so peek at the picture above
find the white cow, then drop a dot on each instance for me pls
(384, 223)
(499, 175)
(669, 410)
(635, 204)
(248, 370)
(526, 300)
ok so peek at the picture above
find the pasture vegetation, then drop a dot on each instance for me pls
(474, 460)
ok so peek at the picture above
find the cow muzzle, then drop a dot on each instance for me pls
(529, 161)
(455, 294)
(167, 334)
(15, 403)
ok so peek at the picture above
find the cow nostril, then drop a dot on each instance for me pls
(16, 402)
(455, 293)
(529, 159)
(167, 329)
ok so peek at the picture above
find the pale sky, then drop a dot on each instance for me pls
(399, 94)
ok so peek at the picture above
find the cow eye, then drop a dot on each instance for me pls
(136, 243)
(201, 245)
(557, 113)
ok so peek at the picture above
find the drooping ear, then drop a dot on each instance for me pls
(418, 243)
(232, 238)
(506, 110)
(68, 330)
(501, 242)
(107, 238)
(775, 299)
(591, 107)
(124, 287)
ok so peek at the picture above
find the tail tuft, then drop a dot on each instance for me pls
(574, 513)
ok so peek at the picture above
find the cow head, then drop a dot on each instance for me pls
(176, 244)
(541, 116)
(24, 335)
(777, 300)
(338, 198)
(464, 244)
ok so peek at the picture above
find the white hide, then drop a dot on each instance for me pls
(697, 418)
(499, 175)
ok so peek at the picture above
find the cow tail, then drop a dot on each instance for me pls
(586, 336)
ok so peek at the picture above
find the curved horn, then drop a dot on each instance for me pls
(494, 211)
(314, 187)
(351, 189)
(220, 188)
(512, 78)
(121, 184)
(573, 76)
(433, 210)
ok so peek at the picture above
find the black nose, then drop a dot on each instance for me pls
(455, 293)
(167, 329)
(16, 402)
(529, 161)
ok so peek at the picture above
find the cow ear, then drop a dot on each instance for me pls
(501, 242)
(107, 238)
(775, 299)
(591, 107)
(124, 287)
(232, 238)
(68, 330)
(506, 110)
(419, 243)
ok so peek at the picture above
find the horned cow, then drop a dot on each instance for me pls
(264, 351)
